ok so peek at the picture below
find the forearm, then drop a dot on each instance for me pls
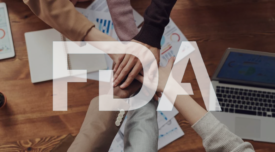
(186, 105)
(99, 127)
(189, 108)
(61, 15)
(217, 138)
(97, 131)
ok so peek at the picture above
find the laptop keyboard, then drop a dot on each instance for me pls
(245, 101)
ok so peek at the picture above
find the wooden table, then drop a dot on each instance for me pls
(28, 122)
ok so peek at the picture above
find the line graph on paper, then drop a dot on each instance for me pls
(164, 116)
(167, 133)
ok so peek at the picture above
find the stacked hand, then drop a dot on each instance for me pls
(164, 73)
(128, 66)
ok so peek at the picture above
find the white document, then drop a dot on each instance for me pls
(99, 5)
(169, 132)
(138, 18)
(173, 35)
(82, 11)
(164, 116)
(170, 42)
(185, 49)
(166, 53)
(104, 22)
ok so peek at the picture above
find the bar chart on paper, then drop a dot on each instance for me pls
(106, 26)
(103, 22)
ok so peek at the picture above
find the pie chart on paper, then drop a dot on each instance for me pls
(175, 37)
(2, 33)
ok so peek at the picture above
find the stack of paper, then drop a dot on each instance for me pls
(169, 129)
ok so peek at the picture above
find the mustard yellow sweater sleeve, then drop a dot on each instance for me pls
(61, 15)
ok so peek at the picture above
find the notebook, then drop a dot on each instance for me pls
(40, 54)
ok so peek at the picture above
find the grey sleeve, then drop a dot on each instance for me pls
(217, 138)
(141, 130)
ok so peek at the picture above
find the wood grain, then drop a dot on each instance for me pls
(28, 122)
(34, 145)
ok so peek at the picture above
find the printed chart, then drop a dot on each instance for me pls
(2, 33)
(5, 44)
(106, 26)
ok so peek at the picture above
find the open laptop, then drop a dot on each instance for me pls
(244, 84)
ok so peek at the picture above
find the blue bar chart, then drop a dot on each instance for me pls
(106, 26)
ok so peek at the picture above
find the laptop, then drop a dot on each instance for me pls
(245, 86)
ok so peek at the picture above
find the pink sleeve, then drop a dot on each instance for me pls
(123, 19)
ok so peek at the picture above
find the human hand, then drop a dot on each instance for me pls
(121, 66)
(127, 92)
(96, 35)
(131, 66)
(164, 73)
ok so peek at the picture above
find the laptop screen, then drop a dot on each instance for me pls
(248, 68)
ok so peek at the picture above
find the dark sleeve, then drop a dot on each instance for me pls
(156, 18)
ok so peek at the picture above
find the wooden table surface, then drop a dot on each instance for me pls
(28, 122)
